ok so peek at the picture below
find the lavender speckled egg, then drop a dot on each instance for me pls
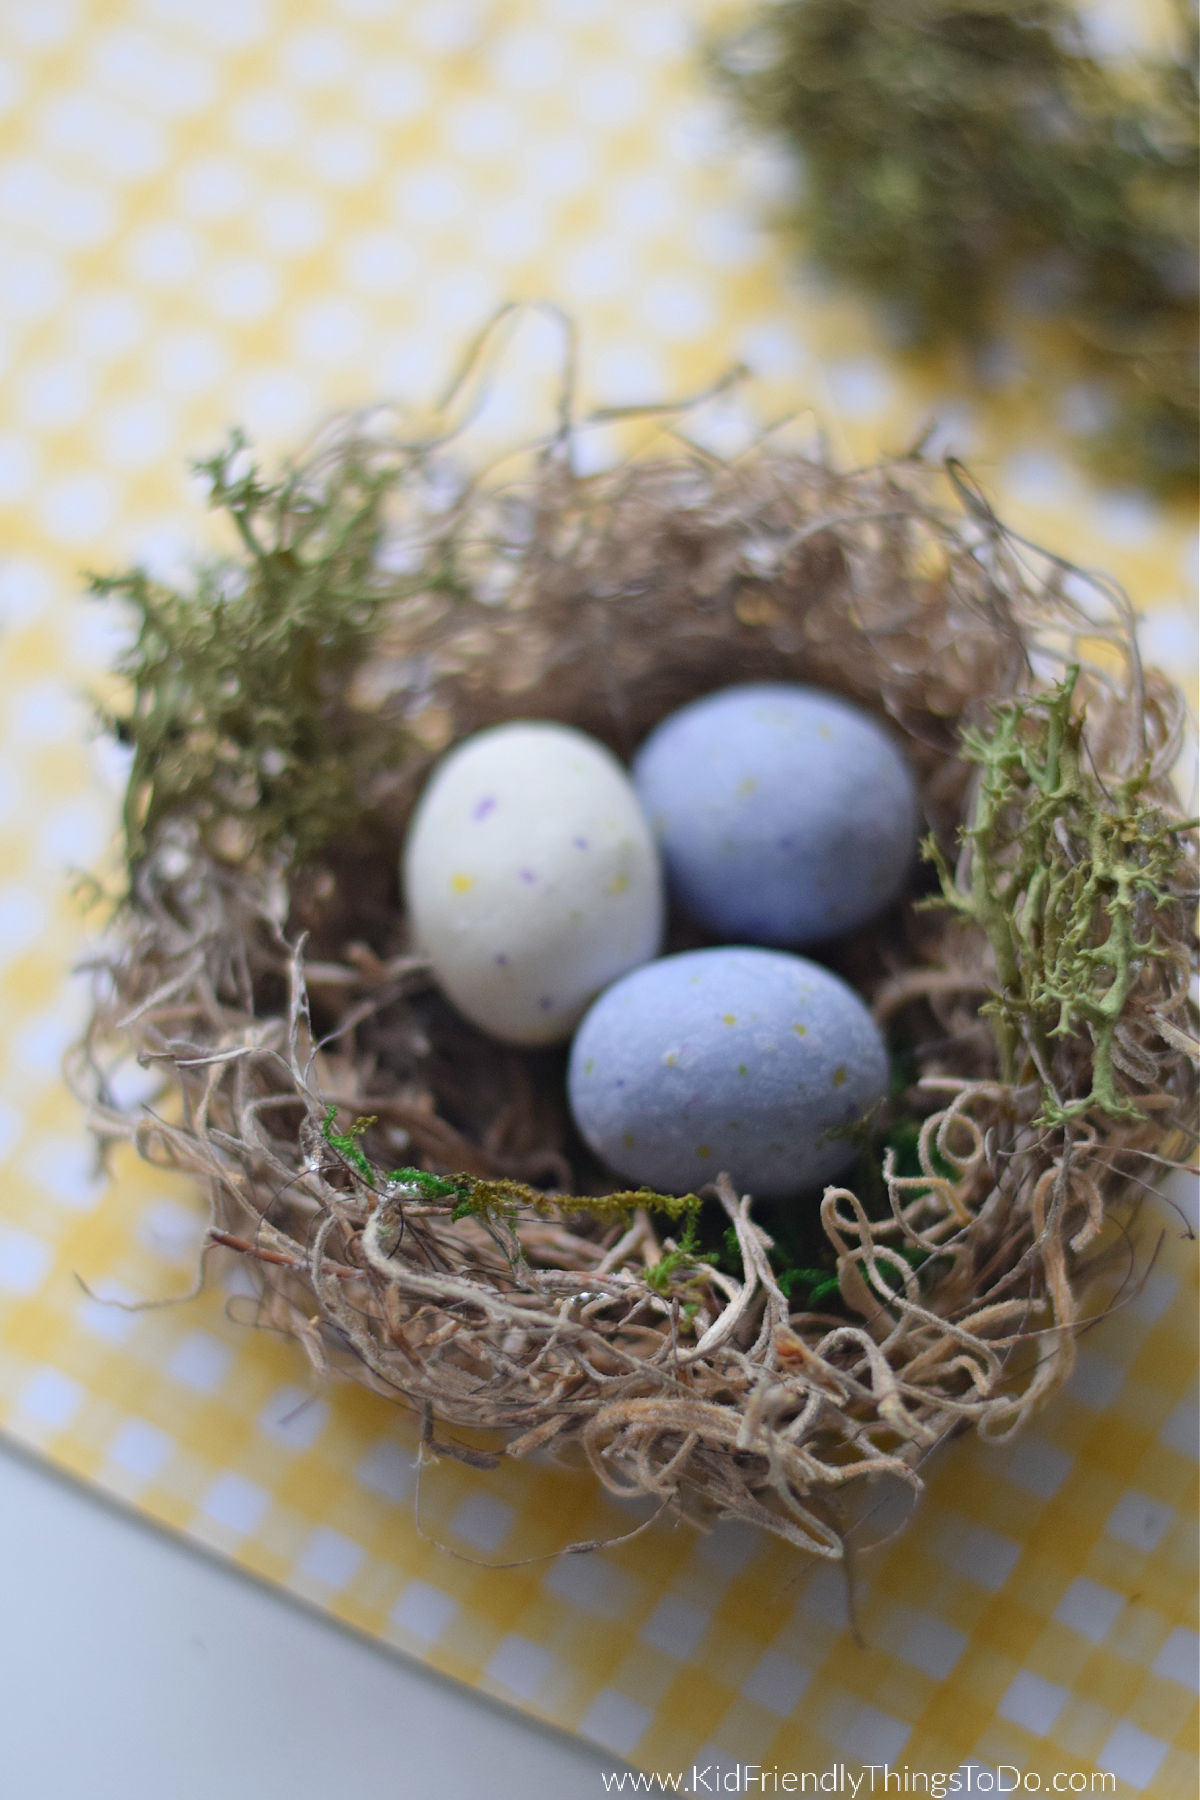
(747, 1060)
(785, 815)
(531, 878)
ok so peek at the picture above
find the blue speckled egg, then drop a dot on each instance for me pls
(746, 1060)
(785, 815)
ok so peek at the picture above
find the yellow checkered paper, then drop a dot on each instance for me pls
(257, 211)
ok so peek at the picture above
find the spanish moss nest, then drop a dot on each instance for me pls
(409, 1195)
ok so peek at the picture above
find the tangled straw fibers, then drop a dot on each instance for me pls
(260, 959)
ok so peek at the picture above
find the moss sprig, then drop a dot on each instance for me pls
(490, 1194)
(236, 713)
(1068, 878)
(346, 1144)
(500, 1198)
(954, 154)
(681, 1267)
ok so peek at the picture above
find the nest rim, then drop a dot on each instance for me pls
(499, 1304)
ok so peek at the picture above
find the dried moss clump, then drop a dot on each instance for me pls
(236, 711)
(962, 158)
(411, 1197)
(1069, 881)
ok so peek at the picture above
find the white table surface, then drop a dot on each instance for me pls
(133, 1665)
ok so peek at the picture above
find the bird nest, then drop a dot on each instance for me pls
(409, 1196)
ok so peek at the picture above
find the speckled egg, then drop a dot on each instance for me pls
(785, 814)
(747, 1060)
(531, 878)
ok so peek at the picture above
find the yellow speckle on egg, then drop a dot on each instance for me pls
(703, 1150)
(747, 784)
(729, 1018)
(628, 1140)
(826, 732)
(619, 883)
(670, 1059)
(800, 1030)
(839, 1075)
(461, 883)
(589, 1065)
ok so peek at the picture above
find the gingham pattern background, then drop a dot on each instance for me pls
(220, 210)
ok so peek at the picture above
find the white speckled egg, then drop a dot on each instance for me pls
(531, 878)
(785, 815)
(747, 1060)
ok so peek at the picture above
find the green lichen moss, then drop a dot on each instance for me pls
(235, 711)
(954, 155)
(1072, 881)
